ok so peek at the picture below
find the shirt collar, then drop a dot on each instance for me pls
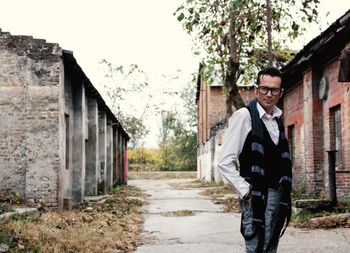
(276, 112)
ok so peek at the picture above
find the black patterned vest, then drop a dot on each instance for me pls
(271, 163)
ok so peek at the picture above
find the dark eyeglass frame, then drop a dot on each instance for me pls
(274, 91)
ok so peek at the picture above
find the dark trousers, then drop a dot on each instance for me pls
(259, 243)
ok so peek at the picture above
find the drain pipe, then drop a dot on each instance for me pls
(331, 176)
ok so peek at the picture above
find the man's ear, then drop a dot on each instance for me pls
(256, 89)
(282, 90)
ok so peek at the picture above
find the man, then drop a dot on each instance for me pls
(256, 138)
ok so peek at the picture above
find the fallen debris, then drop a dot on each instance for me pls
(111, 226)
(323, 222)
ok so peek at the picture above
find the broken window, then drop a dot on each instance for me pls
(335, 133)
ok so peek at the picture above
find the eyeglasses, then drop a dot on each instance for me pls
(274, 91)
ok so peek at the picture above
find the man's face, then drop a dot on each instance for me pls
(270, 99)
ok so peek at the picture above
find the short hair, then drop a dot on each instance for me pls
(270, 71)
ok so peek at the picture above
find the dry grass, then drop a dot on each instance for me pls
(322, 220)
(219, 196)
(337, 216)
(181, 213)
(194, 184)
(230, 204)
(217, 191)
(112, 226)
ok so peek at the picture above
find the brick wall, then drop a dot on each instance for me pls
(216, 106)
(211, 111)
(338, 95)
(312, 120)
(293, 116)
(48, 128)
(66, 173)
(344, 188)
(211, 108)
(30, 74)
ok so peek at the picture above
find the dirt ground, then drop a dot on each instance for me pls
(110, 226)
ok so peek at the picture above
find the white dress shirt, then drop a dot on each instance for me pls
(239, 126)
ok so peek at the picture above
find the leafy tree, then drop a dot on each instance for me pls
(231, 35)
(184, 147)
(185, 130)
(188, 97)
(127, 94)
(178, 138)
(144, 159)
(168, 119)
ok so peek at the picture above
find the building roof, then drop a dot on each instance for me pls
(319, 51)
(73, 69)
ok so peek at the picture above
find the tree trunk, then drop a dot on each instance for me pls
(233, 98)
(269, 43)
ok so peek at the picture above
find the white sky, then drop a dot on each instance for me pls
(144, 32)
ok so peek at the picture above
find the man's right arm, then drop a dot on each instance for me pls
(238, 128)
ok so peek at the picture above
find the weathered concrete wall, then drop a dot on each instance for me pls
(92, 149)
(115, 156)
(109, 156)
(66, 173)
(53, 128)
(205, 161)
(208, 154)
(102, 149)
(30, 79)
(118, 157)
(121, 161)
(219, 137)
(79, 159)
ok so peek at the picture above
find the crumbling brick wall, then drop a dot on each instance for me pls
(30, 74)
(311, 119)
(211, 111)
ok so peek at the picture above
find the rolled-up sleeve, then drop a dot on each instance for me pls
(238, 128)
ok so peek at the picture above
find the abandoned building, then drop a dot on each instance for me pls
(316, 109)
(316, 106)
(211, 117)
(59, 141)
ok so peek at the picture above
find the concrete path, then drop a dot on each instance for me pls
(210, 229)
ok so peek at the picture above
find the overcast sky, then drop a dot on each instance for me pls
(121, 31)
(144, 32)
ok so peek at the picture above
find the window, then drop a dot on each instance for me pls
(335, 133)
(337, 123)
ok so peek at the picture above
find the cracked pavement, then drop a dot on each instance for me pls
(211, 229)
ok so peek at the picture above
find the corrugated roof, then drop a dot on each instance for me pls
(320, 50)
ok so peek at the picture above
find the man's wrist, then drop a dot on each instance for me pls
(248, 195)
